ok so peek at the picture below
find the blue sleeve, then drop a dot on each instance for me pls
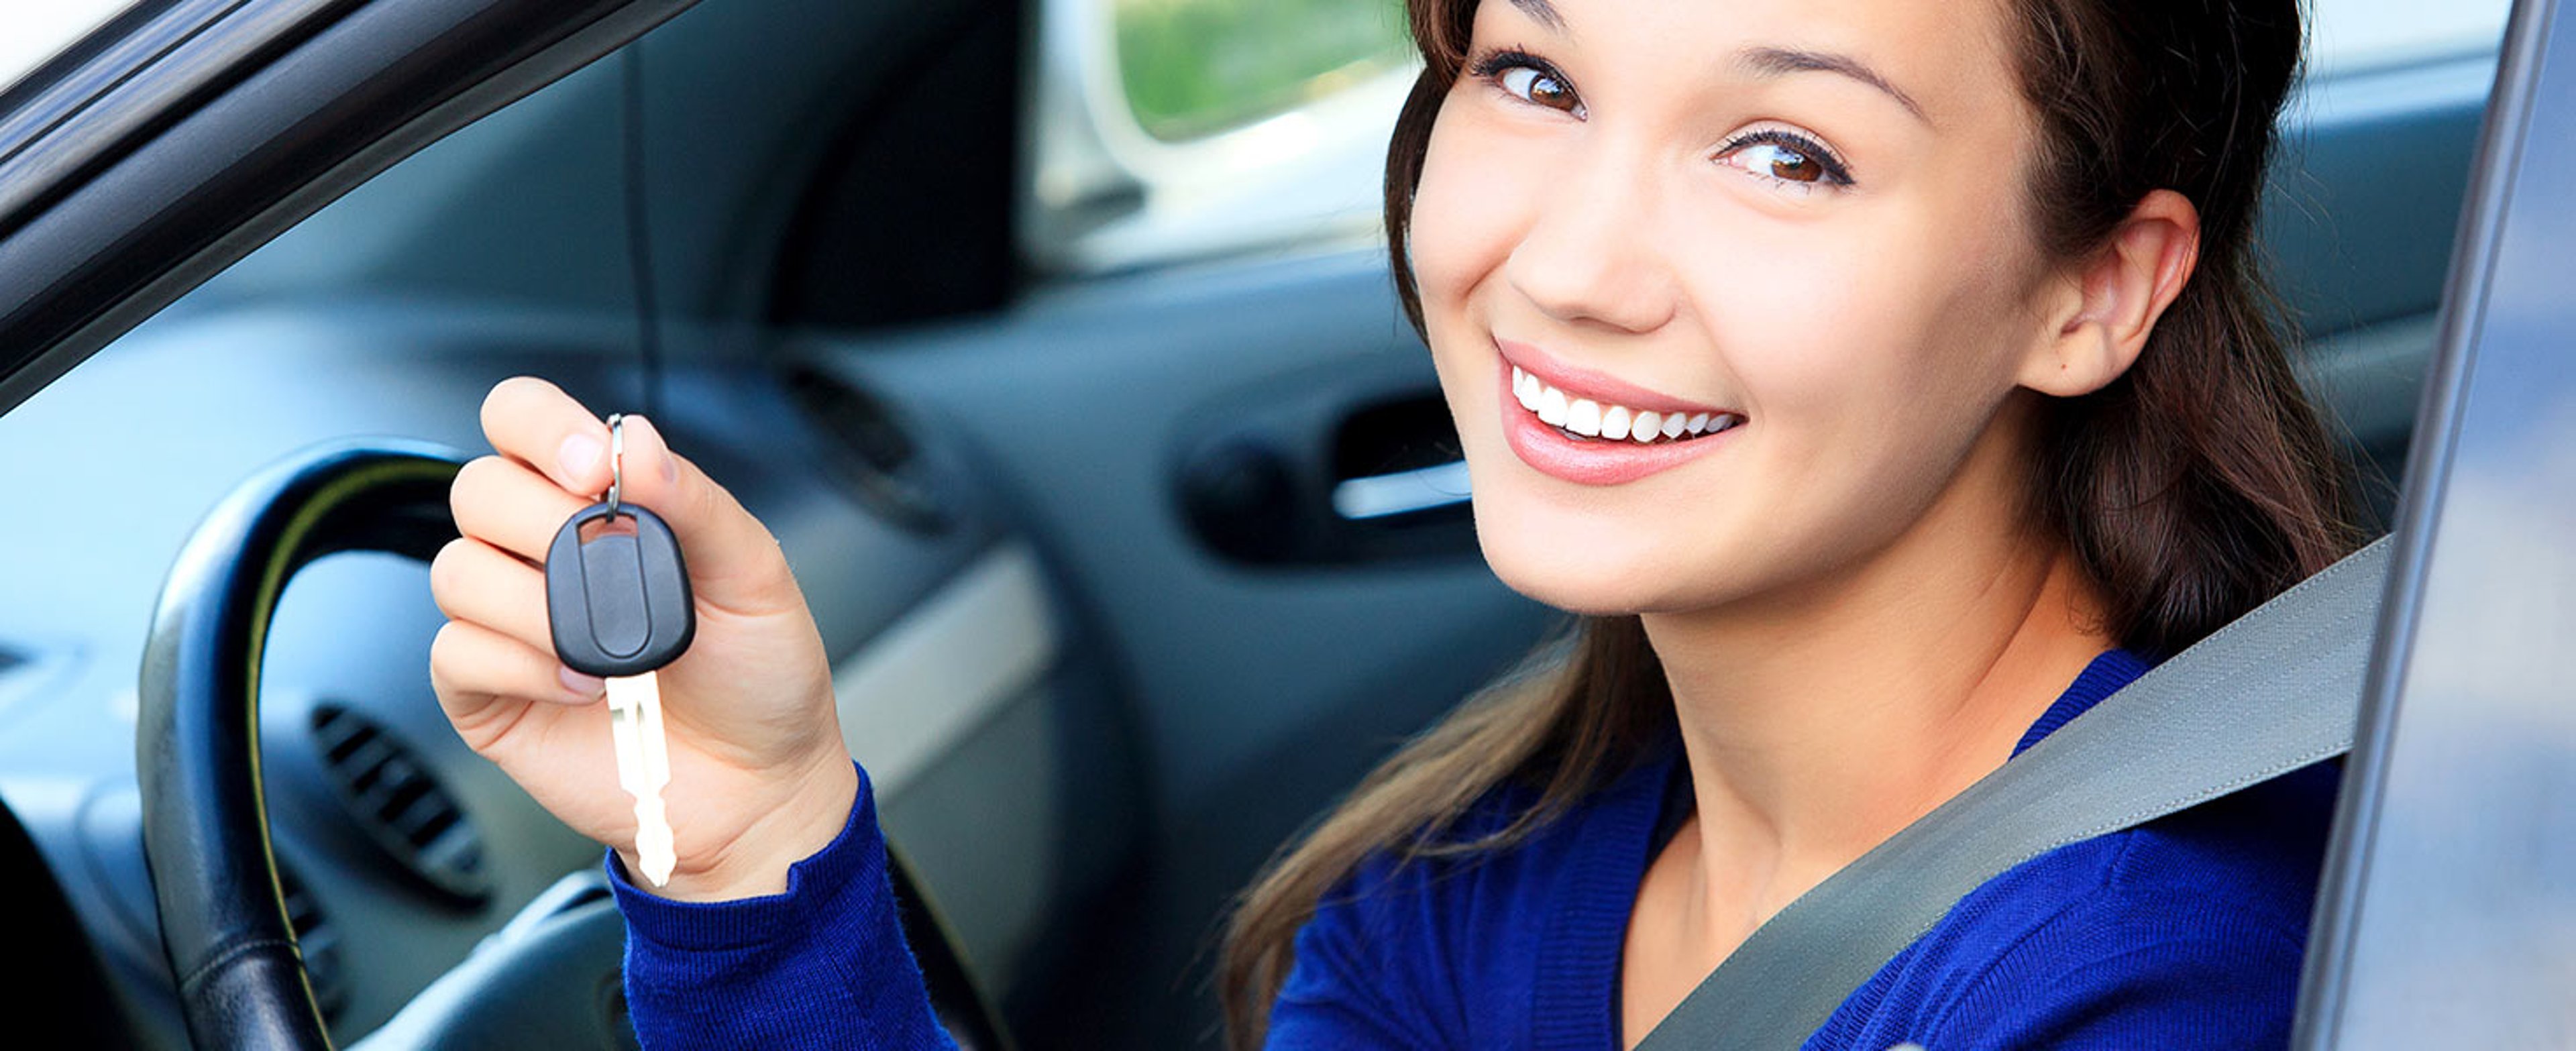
(822, 964)
(2187, 974)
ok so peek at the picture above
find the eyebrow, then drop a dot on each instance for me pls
(1769, 61)
(1780, 62)
(1542, 12)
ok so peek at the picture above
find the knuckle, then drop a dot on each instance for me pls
(517, 391)
(446, 572)
(705, 501)
(443, 654)
(496, 403)
(473, 481)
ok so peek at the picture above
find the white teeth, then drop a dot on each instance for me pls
(1647, 425)
(1593, 419)
(1584, 418)
(1614, 423)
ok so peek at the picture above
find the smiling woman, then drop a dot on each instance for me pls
(1958, 318)
(1884, 381)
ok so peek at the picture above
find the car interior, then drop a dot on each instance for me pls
(1132, 550)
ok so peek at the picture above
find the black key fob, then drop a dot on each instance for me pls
(619, 602)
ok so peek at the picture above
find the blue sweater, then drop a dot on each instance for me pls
(2181, 933)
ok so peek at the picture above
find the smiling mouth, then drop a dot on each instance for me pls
(1589, 420)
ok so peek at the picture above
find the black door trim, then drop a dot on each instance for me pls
(222, 157)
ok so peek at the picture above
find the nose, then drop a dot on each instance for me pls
(1590, 254)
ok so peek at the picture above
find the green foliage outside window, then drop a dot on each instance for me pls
(1193, 67)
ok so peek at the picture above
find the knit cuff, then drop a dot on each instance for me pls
(854, 859)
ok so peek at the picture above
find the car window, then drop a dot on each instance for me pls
(1192, 67)
(2360, 34)
(32, 33)
(1177, 130)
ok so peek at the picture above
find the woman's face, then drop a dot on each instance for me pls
(1796, 225)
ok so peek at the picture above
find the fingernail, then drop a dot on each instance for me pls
(578, 455)
(584, 685)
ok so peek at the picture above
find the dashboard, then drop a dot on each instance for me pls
(399, 849)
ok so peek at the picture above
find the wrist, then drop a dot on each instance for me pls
(756, 862)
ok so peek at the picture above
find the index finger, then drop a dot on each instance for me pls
(534, 422)
(733, 561)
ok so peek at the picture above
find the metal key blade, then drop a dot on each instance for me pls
(643, 767)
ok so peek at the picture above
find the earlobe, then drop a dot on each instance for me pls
(2109, 302)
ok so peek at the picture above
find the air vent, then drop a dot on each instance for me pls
(404, 809)
(316, 939)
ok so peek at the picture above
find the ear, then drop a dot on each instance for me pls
(2101, 312)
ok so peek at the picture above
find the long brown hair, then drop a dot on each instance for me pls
(2193, 488)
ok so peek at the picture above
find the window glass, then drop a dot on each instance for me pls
(1192, 67)
(2355, 34)
(30, 33)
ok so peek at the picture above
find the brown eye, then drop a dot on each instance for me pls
(1784, 163)
(1787, 158)
(1796, 166)
(1541, 88)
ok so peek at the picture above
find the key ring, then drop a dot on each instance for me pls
(616, 460)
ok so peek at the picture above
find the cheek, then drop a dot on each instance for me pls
(1468, 211)
(1886, 329)
(1872, 352)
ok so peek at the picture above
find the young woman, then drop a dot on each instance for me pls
(1885, 381)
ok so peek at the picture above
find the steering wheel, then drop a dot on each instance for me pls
(224, 928)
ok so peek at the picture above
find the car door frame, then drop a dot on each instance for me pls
(137, 168)
(2436, 807)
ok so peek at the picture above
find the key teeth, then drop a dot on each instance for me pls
(653, 848)
(653, 845)
(658, 864)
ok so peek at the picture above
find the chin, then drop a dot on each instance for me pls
(1581, 563)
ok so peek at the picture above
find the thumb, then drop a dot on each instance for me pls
(733, 560)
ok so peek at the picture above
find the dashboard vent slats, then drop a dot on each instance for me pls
(401, 804)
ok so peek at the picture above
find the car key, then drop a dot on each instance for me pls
(619, 606)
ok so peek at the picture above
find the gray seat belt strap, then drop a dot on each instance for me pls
(2277, 690)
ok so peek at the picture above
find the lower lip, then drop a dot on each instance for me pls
(1556, 454)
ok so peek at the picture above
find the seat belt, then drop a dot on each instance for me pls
(2277, 690)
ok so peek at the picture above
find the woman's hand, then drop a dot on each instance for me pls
(760, 778)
